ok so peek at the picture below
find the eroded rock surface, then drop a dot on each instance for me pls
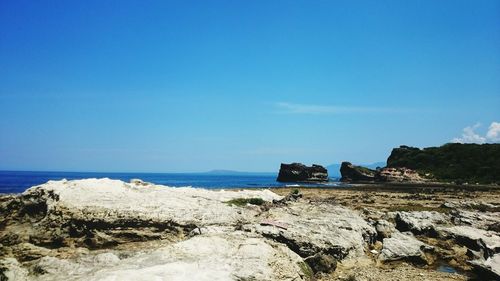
(384, 229)
(489, 267)
(480, 215)
(486, 242)
(323, 228)
(403, 246)
(399, 175)
(45, 226)
(420, 222)
(106, 212)
(110, 230)
(207, 257)
(48, 221)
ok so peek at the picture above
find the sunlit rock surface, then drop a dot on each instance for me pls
(403, 246)
(313, 228)
(235, 256)
(102, 229)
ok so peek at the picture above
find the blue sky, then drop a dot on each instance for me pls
(173, 86)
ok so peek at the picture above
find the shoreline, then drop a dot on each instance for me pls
(359, 186)
(367, 231)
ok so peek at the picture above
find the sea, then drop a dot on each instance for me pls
(19, 181)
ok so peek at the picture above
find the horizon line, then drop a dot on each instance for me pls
(129, 172)
(212, 171)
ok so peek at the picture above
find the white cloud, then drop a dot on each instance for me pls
(493, 133)
(469, 134)
(293, 108)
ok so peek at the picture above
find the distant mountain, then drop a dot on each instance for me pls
(334, 169)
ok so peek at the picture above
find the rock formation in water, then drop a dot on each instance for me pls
(297, 172)
(351, 173)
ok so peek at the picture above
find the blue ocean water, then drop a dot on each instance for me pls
(19, 181)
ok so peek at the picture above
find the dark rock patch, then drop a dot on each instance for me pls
(297, 172)
(351, 173)
(322, 263)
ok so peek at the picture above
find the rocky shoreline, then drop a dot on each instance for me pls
(102, 229)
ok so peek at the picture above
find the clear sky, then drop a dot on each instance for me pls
(173, 86)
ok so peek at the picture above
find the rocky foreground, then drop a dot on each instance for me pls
(102, 229)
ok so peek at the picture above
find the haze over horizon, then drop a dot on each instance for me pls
(193, 86)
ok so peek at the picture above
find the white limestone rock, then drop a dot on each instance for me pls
(103, 212)
(402, 246)
(473, 238)
(420, 222)
(311, 229)
(384, 229)
(482, 220)
(235, 256)
(490, 267)
(12, 270)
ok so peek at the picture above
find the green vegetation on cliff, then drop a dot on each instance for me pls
(452, 162)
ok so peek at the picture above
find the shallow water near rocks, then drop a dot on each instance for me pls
(446, 268)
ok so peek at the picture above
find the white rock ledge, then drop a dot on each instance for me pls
(198, 235)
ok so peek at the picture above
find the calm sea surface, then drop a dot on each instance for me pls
(19, 181)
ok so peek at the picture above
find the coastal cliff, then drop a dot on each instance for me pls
(353, 173)
(461, 163)
(453, 162)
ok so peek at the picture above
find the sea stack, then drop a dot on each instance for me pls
(298, 172)
(352, 173)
